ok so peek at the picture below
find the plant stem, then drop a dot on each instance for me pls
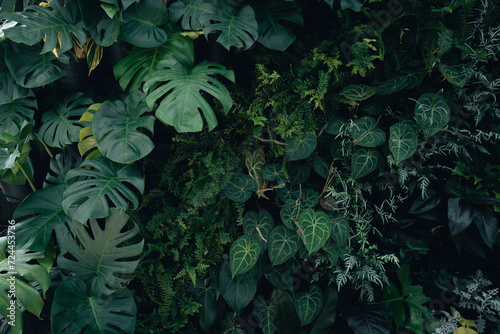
(269, 140)
(45, 146)
(26, 176)
(322, 129)
(456, 133)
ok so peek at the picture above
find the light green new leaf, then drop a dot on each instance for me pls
(308, 305)
(88, 198)
(432, 113)
(340, 229)
(116, 127)
(100, 259)
(300, 146)
(74, 311)
(140, 64)
(184, 101)
(455, 76)
(190, 12)
(142, 23)
(316, 227)
(238, 29)
(402, 141)
(243, 255)
(60, 125)
(392, 85)
(366, 133)
(13, 114)
(206, 297)
(358, 92)
(265, 314)
(239, 187)
(363, 162)
(283, 244)
(280, 276)
(237, 291)
(263, 222)
(60, 165)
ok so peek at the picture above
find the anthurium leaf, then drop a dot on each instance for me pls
(392, 85)
(486, 222)
(368, 318)
(265, 313)
(100, 259)
(190, 12)
(340, 229)
(60, 165)
(184, 101)
(258, 226)
(364, 161)
(321, 166)
(335, 124)
(358, 92)
(237, 291)
(300, 146)
(239, 187)
(280, 276)
(272, 172)
(56, 25)
(425, 203)
(366, 133)
(460, 215)
(402, 141)
(316, 227)
(141, 63)
(289, 213)
(205, 295)
(243, 255)
(432, 113)
(455, 76)
(89, 198)
(286, 320)
(283, 244)
(298, 173)
(272, 34)
(9, 89)
(31, 69)
(239, 29)
(415, 77)
(255, 161)
(142, 24)
(60, 126)
(308, 305)
(326, 318)
(13, 114)
(288, 193)
(74, 311)
(309, 198)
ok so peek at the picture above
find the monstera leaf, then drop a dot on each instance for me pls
(97, 259)
(184, 101)
(402, 141)
(142, 24)
(308, 305)
(366, 133)
(364, 161)
(237, 291)
(140, 64)
(272, 34)
(238, 29)
(190, 12)
(88, 144)
(44, 213)
(283, 244)
(358, 92)
(55, 25)
(74, 311)
(258, 226)
(116, 127)
(243, 255)
(316, 229)
(13, 114)
(432, 113)
(239, 187)
(392, 85)
(300, 146)
(205, 295)
(10, 90)
(89, 198)
(265, 314)
(103, 29)
(60, 165)
(60, 125)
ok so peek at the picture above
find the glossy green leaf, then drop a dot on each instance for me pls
(340, 229)
(486, 222)
(280, 276)
(309, 198)
(460, 215)
(237, 291)
(263, 222)
(100, 259)
(184, 101)
(298, 173)
(283, 244)
(265, 314)
(103, 29)
(368, 318)
(190, 12)
(143, 23)
(308, 305)
(366, 133)
(14, 114)
(243, 255)
(239, 187)
(432, 113)
(74, 311)
(403, 141)
(60, 165)
(205, 295)
(321, 166)
(238, 29)
(335, 124)
(358, 92)
(286, 320)
(334, 253)
(288, 193)
(9, 89)
(60, 125)
(272, 172)
(290, 213)
(105, 181)
(300, 146)
(316, 227)
(392, 85)
(364, 161)
(415, 77)
(455, 76)
(326, 318)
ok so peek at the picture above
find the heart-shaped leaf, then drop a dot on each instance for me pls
(190, 12)
(415, 77)
(239, 187)
(366, 133)
(392, 85)
(364, 161)
(280, 276)
(255, 161)
(455, 76)
(358, 92)
(14, 114)
(88, 198)
(289, 213)
(273, 171)
(237, 291)
(402, 141)
(340, 229)
(258, 226)
(459, 215)
(97, 259)
(243, 255)
(300, 146)
(308, 305)
(184, 101)
(316, 228)
(298, 173)
(428, 201)
(335, 124)
(205, 295)
(432, 113)
(321, 166)
(283, 244)
(265, 314)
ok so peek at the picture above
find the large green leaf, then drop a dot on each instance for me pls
(455, 76)
(298, 172)
(280, 276)
(74, 311)
(402, 141)
(358, 92)
(415, 77)
(364, 161)
(184, 101)
(366, 133)
(258, 226)
(100, 259)
(56, 25)
(286, 320)
(272, 34)
(289, 213)
(239, 29)
(89, 198)
(142, 24)
(43, 213)
(141, 64)
(239, 187)
(31, 69)
(14, 113)
(392, 85)
(237, 291)
(243, 255)
(321, 166)
(60, 125)
(205, 295)
(116, 127)
(60, 165)
(9, 89)
(308, 305)
(265, 314)
(282, 245)
(190, 12)
(368, 318)
(300, 146)
(316, 227)
(272, 172)
(326, 318)
(340, 229)
(432, 113)
(103, 29)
